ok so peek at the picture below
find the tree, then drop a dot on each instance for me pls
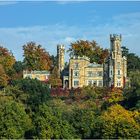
(3, 77)
(133, 62)
(35, 57)
(89, 49)
(50, 124)
(54, 60)
(37, 92)
(54, 79)
(7, 60)
(113, 96)
(14, 120)
(83, 120)
(125, 51)
(117, 123)
(132, 94)
(19, 66)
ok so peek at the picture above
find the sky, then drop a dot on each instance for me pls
(62, 22)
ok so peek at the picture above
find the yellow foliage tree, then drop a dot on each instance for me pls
(118, 122)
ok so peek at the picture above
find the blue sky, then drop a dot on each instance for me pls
(62, 22)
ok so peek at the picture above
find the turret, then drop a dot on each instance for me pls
(60, 57)
(115, 43)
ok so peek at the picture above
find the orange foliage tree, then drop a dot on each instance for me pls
(89, 49)
(7, 59)
(36, 57)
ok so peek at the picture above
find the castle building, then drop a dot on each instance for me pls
(80, 72)
(113, 73)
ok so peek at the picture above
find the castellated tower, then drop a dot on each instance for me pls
(117, 70)
(60, 57)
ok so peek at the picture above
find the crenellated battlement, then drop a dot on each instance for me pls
(114, 37)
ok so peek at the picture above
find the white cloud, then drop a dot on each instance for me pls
(51, 35)
(2, 3)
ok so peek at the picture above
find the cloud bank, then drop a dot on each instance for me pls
(51, 35)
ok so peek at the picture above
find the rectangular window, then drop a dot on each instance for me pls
(99, 73)
(111, 72)
(100, 83)
(118, 83)
(89, 82)
(76, 73)
(118, 65)
(90, 74)
(76, 83)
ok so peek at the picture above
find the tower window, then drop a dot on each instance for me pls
(118, 65)
(76, 73)
(119, 72)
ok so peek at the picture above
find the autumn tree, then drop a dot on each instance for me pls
(3, 77)
(7, 60)
(89, 49)
(118, 123)
(36, 57)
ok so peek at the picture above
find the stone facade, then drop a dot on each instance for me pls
(83, 73)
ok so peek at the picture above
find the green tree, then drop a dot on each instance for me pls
(83, 120)
(14, 120)
(132, 94)
(125, 51)
(54, 60)
(37, 92)
(54, 78)
(50, 124)
(19, 66)
(35, 57)
(133, 62)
